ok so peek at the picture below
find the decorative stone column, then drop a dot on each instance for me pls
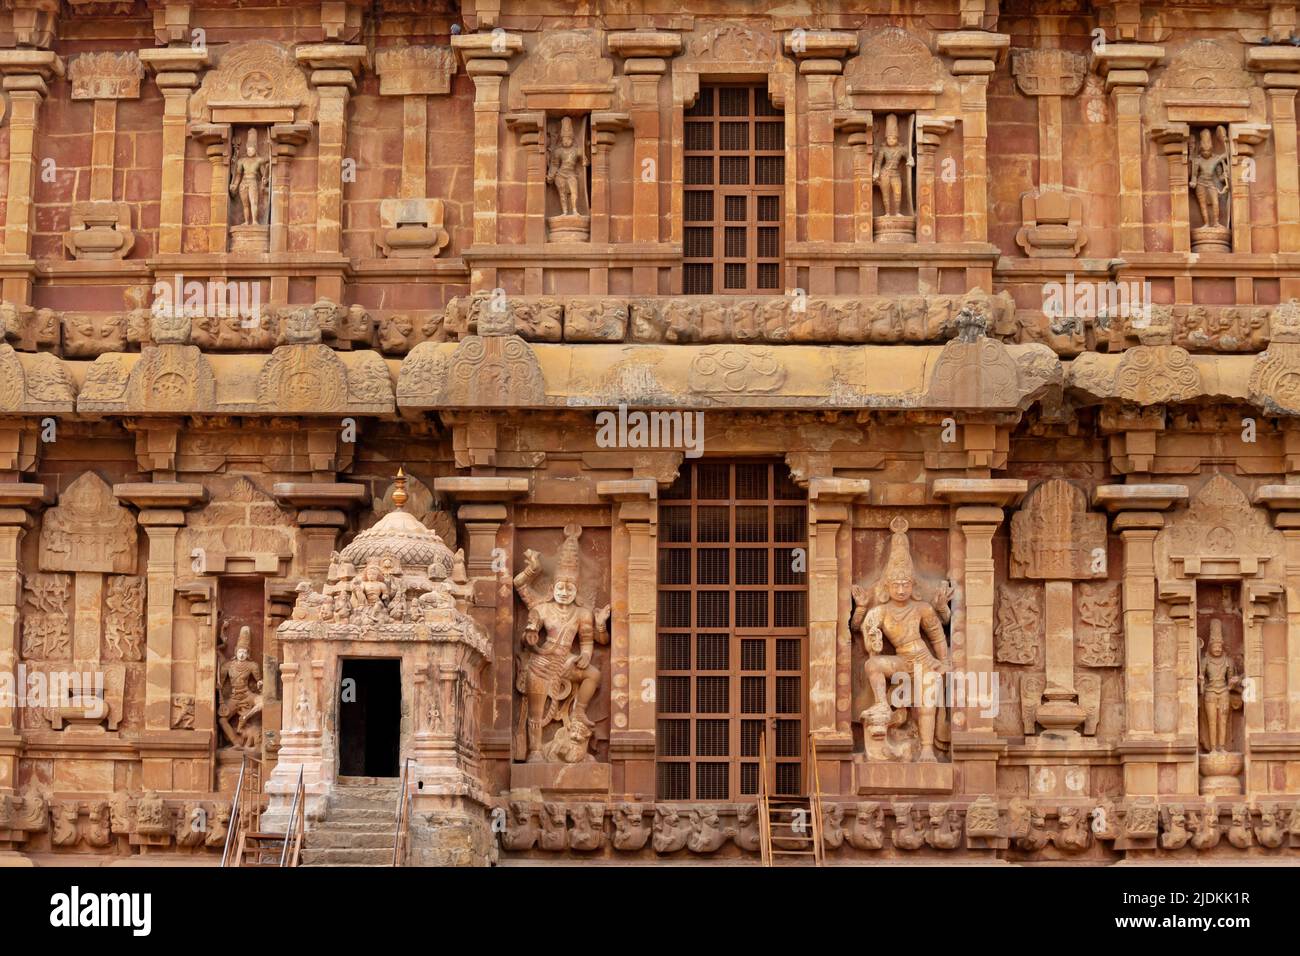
(215, 139)
(162, 507)
(634, 547)
(1172, 140)
(1245, 137)
(1280, 64)
(285, 140)
(335, 67)
(322, 515)
(857, 126)
(929, 130)
(647, 53)
(487, 61)
(25, 73)
(978, 505)
(1284, 502)
(1124, 66)
(18, 500)
(177, 71)
(1138, 520)
(484, 511)
(975, 56)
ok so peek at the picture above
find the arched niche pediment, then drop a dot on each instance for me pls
(255, 82)
(895, 70)
(1206, 82)
(1220, 536)
(564, 70)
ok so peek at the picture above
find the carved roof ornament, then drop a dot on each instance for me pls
(482, 370)
(1206, 82)
(415, 70)
(33, 382)
(1220, 525)
(89, 530)
(1275, 376)
(894, 61)
(1155, 374)
(106, 76)
(567, 69)
(1048, 72)
(1055, 537)
(734, 42)
(257, 81)
(402, 535)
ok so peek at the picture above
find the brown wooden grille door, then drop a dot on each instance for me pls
(733, 627)
(734, 176)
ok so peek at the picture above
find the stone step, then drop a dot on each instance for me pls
(349, 840)
(368, 799)
(360, 814)
(366, 856)
(358, 826)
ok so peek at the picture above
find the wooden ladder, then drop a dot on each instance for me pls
(790, 826)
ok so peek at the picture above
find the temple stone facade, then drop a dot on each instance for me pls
(599, 414)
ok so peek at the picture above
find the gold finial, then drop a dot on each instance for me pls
(399, 492)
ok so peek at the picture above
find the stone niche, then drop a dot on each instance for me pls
(251, 113)
(396, 592)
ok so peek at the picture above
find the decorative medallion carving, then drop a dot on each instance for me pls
(894, 61)
(734, 371)
(1153, 374)
(259, 73)
(88, 530)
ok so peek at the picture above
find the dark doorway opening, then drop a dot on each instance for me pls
(370, 718)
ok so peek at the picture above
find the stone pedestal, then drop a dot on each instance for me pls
(250, 239)
(568, 228)
(895, 229)
(561, 779)
(1212, 239)
(896, 778)
(1220, 773)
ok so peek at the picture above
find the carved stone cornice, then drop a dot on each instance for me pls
(333, 64)
(1126, 64)
(1143, 497)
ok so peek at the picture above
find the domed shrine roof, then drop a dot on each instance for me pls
(403, 536)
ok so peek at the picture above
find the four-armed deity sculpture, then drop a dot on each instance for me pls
(249, 181)
(558, 682)
(240, 687)
(1220, 683)
(1210, 180)
(915, 630)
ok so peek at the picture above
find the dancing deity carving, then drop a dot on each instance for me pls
(557, 681)
(915, 630)
(240, 684)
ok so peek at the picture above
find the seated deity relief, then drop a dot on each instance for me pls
(907, 720)
(557, 681)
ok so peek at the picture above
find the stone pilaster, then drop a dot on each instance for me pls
(634, 548)
(1124, 66)
(335, 68)
(25, 74)
(487, 61)
(18, 500)
(322, 515)
(177, 71)
(975, 55)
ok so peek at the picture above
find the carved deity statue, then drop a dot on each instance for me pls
(893, 171)
(915, 630)
(557, 681)
(1209, 176)
(566, 162)
(242, 702)
(1218, 679)
(249, 175)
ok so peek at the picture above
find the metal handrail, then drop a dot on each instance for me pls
(293, 833)
(764, 810)
(815, 802)
(402, 836)
(237, 808)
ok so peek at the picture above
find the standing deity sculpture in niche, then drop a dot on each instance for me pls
(240, 685)
(1210, 179)
(558, 682)
(249, 180)
(892, 175)
(566, 170)
(1218, 679)
(920, 660)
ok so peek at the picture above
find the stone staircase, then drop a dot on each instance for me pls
(359, 826)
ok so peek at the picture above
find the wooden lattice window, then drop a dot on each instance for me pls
(732, 631)
(734, 183)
